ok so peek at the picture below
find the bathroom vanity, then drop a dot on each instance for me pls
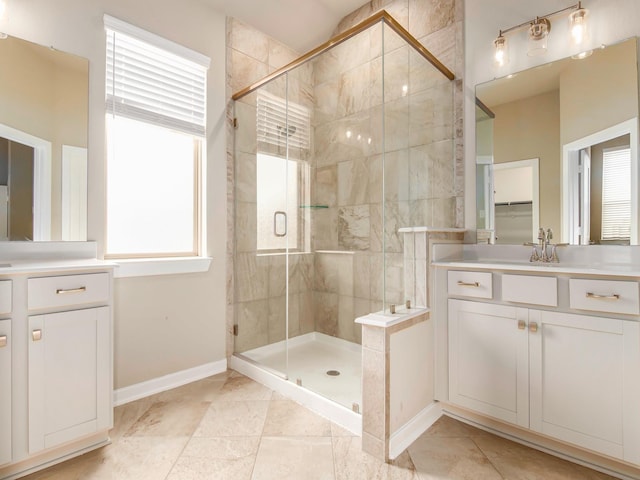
(548, 353)
(55, 354)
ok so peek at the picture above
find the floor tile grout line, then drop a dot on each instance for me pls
(264, 423)
(495, 467)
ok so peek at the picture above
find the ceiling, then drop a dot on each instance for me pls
(299, 24)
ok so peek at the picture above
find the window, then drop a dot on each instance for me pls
(156, 110)
(278, 198)
(282, 176)
(616, 194)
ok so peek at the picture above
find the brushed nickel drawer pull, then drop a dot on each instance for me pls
(468, 284)
(613, 296)
(36, 335)
(3, 341)
(522, 324)
(64, 291)
(533, 327)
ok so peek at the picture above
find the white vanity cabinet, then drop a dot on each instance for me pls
(585, 381)
(69, 358)
(5, 391)
(56, 368)
(488, 360)
(562, 372)
(68, 376)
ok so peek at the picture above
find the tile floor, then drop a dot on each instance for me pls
(229, 427)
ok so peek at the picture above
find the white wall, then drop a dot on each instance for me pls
(610, 22)
(162, 324)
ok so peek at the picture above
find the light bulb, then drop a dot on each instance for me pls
(578, 25)
(500, 55)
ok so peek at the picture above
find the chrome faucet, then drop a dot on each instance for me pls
(544, 242)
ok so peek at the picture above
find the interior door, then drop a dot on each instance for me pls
(21, 171)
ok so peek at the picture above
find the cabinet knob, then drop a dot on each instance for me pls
(533, 327)
(3, 341)
(522, 324)
(36, 335)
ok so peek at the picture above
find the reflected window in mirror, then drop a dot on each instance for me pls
(156, 110)
(616, 195)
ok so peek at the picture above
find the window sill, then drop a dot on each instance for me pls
(142, 267)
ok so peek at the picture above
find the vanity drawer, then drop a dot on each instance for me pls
(470, 284)
(610, 296)
(69, 290)
(5, 296)
(530, 289)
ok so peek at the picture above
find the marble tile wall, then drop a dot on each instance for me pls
(435, 131)
(376, 385)
(415, 130)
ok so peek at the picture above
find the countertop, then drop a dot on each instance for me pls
(8, 267)
(609, 269)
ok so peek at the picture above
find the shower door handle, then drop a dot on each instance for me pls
(280, 224)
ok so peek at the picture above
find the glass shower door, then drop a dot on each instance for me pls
(263, 226)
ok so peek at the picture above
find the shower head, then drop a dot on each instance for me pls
(287, 131)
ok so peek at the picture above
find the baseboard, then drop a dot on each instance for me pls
(410, 431)
(167, 382)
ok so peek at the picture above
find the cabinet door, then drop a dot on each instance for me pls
(5, 391)
(69, 376)
(585, 385)
(488, 359)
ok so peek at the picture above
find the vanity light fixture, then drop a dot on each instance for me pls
(578, 25)
(501, 55)
(538, 32)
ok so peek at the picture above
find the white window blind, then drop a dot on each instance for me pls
(280, 122)
(154, 80)
(616, 194)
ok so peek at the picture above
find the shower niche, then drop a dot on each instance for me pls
(333, 154)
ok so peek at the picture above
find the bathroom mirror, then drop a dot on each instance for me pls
(579, 118)
(43, 143)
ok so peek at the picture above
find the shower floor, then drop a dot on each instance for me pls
(311, 356)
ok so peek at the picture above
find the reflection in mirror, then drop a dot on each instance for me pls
(516, 204)
(43, 143)
(563, 113)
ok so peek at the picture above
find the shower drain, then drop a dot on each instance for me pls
(333, 373)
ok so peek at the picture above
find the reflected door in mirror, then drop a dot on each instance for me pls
(16, 175)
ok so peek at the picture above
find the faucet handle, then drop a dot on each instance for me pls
(541, 233)
(549, 234)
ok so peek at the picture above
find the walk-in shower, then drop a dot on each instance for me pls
(333, 154)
